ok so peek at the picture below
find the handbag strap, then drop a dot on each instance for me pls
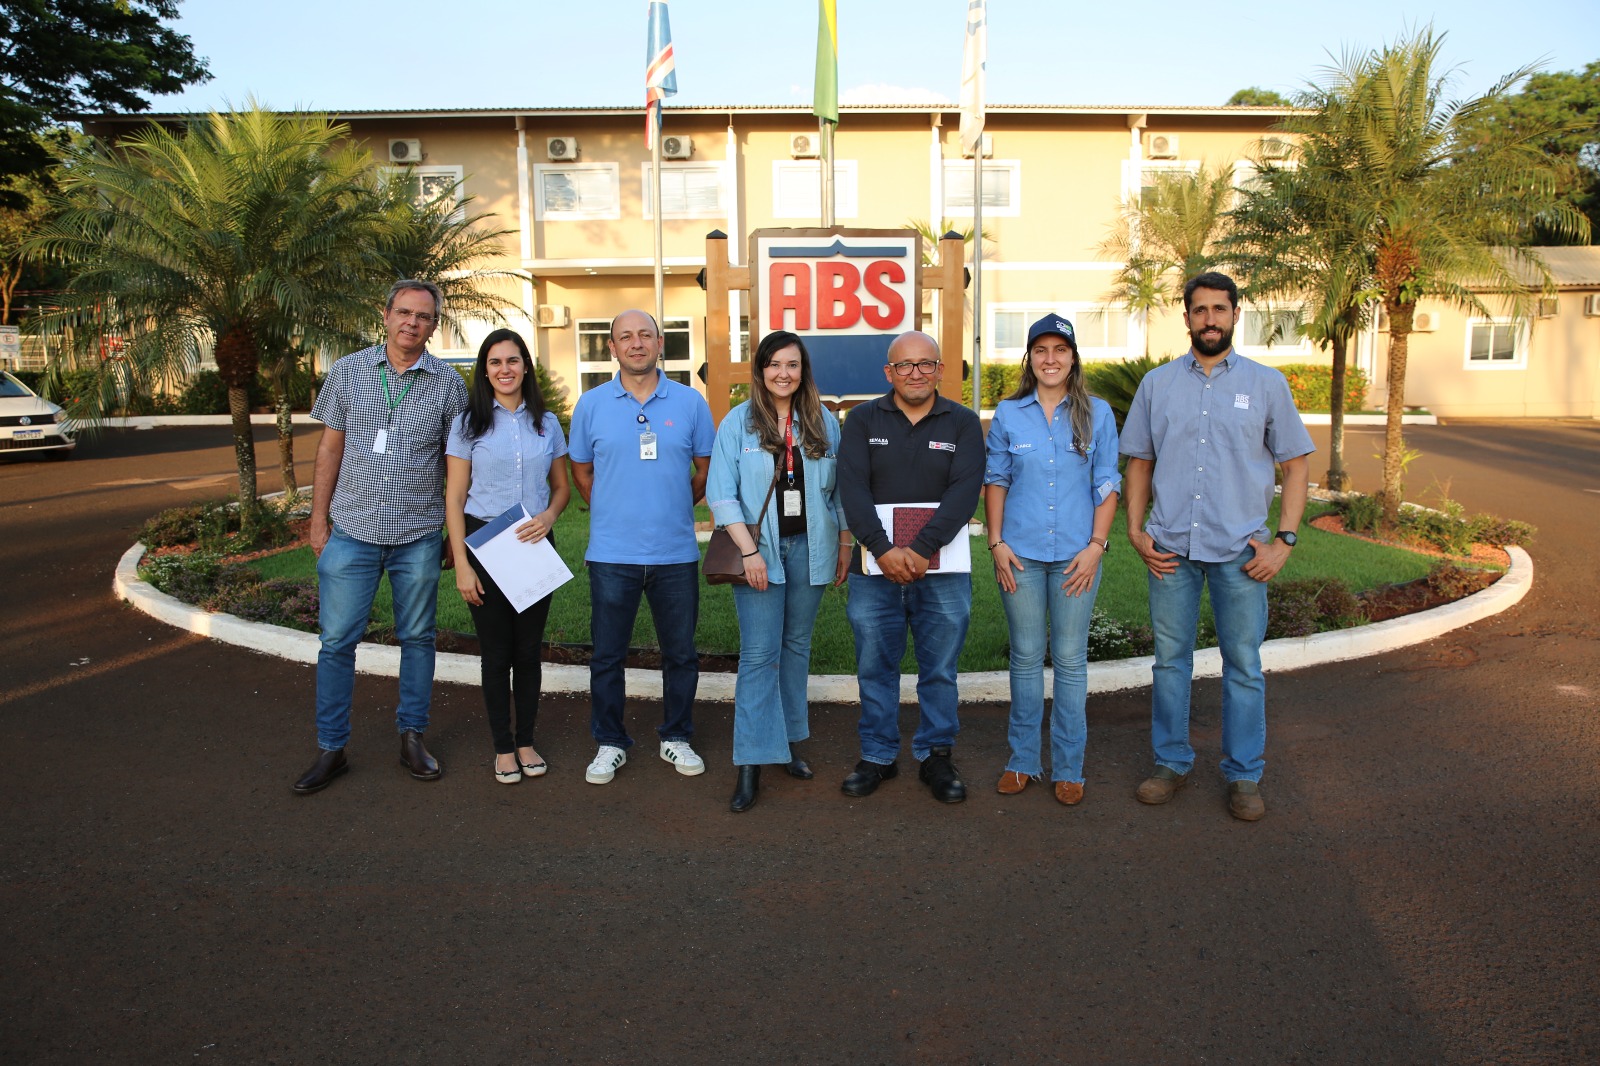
(762, 517)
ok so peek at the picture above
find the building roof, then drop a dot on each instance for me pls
(1573, 266)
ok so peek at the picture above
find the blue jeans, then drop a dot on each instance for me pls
(1040, 599)
(673, 591)
(936, 610)
(769, 698)
(1239, 605)
(348, 572)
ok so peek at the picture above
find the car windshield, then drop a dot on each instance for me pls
(10, 386)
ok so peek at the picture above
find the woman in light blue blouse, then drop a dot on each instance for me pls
(505, 449)
(785, 441)
(1050, 493)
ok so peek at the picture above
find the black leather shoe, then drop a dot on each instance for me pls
(329, 765)
(797, 766)
(744, 793)
(867, 777)
(415, 757)
(939, 774)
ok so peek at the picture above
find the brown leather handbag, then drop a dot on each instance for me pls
(724, 562)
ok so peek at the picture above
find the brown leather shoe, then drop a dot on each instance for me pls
(414, 757)
(1161, 785)
(329, 765)
(1069, 792)
(1244, 801)
(1011, 783)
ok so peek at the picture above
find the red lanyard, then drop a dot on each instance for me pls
(788, 446)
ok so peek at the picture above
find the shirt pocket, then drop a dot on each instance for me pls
(827, 470)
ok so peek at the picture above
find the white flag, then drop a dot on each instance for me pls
(974, 59)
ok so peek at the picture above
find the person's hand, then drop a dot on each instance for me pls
(1158, 562)
(1266, 559)
(1004, 561)
(897, 568)
(447, 555)
(755, 571)
(321, 530)
(1080, 573)
(842, 570)
(535, 528)
(919, 565)
(468, 585)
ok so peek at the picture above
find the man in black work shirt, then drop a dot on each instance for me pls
(909, 446)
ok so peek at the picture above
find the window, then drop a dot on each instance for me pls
(1002, 188)
(596, 367)
(797, 188)
(1100, 330)
(429, 183)
(1152, 171)
(576, 191)
(688, 190)
(1496, 344)
(1274, 330)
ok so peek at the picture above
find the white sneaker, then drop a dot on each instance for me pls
(681, 755)
(604, 767)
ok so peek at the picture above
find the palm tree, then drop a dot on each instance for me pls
(1170, 234)
(1443, 214)
(249, 229)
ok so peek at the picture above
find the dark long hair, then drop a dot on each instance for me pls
(805, 404)
(480, 398)
(1078, 411)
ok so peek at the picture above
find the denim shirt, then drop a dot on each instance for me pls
(1051, 490)
(510, 462)
(742, 471)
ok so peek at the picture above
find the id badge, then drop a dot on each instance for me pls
(647, 445)
(380, 443)
(791, 503)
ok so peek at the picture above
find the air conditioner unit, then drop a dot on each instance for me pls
(1591, 305)
(1161, 145)
(985, 146)
(1549, 306)
(1425, 322)
(1275, 148)
(804, 146)
(554, 316)
(676, 147)
(561, 149)
(405, 150)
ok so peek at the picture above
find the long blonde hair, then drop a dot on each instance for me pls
(1078, 410)
(806, 405)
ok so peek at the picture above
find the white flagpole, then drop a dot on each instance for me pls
(826, 168)
(655, 208)
(977, 278)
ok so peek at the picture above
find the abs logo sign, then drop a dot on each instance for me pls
(847, 292)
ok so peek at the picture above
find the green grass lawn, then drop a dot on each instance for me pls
(1123, 594)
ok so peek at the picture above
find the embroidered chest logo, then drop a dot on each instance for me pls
(1241, 400)
(878, 440)
(941, 446)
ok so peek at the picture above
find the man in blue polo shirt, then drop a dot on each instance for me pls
(1202, 435)
(640, 448)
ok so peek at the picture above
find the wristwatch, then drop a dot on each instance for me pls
(1105, 544)
(1287, 536)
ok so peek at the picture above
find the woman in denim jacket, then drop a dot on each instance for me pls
(783, 432)
(1050, 493)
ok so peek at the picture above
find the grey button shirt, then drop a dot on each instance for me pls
(1214, 440)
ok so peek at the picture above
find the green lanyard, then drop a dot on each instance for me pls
(389, 396)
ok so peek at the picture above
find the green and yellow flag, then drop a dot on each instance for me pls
(826, 101)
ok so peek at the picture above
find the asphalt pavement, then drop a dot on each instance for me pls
(1422, 890)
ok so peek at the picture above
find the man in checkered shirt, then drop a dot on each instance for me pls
(378, 508)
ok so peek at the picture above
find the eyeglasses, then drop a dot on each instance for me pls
(421, 318)
(926, 367)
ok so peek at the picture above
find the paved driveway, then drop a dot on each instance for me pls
(1423, 888)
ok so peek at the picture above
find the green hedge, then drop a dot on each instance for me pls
(1310, 383)
(1312, 386)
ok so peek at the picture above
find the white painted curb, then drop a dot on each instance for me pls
(1291, 653)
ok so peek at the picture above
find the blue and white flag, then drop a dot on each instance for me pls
(660, 72)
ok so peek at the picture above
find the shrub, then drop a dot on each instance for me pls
(1452, 581)
(1312, 386)
(214, 526)
(175, 525)
(1116, 382)
(30, 378)
(202, 579)
(1361, 513)
(1310, 605)
(1492, 529)
(1110, 639)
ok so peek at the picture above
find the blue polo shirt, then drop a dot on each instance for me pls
(641, 510)
(1214, 440)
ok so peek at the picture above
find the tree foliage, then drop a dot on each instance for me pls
(1255, 96)
(62, 56)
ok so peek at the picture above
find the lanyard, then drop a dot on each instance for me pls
(788, 446)
(387, 395)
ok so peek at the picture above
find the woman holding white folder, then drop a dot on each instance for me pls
(505, 449)
(1050, 493)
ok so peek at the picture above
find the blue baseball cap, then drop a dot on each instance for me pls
(1052, 324)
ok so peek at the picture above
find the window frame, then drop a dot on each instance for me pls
(1521, 337)
(1013, 168)
(1299, 346)
(846, 202)
(675, 368)
(716, 168)
(1031, 311)
(457, 174)
(541, 213)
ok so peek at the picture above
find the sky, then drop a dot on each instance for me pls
(405, 54)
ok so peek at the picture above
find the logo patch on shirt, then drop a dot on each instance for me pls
(941, 446)
(1241, 400)
(878, 440)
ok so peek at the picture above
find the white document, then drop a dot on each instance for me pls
(953, 558)
(526, 573)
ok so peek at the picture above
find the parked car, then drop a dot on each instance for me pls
(29, 423)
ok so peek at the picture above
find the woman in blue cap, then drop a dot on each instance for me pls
(1050, 494)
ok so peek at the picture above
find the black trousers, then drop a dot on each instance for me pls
(509, 645)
